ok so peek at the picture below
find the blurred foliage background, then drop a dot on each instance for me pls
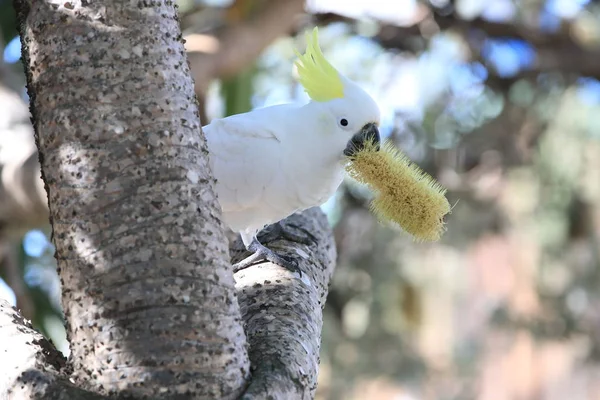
(498, 99)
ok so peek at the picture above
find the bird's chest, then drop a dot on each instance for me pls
(317, 183)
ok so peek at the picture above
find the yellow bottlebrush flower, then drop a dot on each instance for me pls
(404, 194)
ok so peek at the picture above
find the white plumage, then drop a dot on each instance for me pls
(269, 164)
(274, 161)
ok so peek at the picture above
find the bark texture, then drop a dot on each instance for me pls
(23, 203)
(283, 312)
(148, 296)
(36, 368)
(149, 299)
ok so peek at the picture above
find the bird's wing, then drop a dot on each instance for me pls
(245, 157)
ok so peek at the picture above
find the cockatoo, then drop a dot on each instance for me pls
(274, 161)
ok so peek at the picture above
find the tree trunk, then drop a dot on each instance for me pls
(149, 297)
(149, 300)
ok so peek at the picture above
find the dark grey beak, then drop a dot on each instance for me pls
(368, 132)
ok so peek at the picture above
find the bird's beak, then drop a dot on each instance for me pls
(367, 133)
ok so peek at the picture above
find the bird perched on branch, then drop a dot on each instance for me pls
(274, 161)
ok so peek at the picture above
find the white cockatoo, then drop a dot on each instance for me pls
(274, 161)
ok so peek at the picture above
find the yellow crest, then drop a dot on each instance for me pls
(320, 79)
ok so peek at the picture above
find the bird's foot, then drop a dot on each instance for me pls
(261, 254)
(278, 231)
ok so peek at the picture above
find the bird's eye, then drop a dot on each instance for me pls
(344, 122)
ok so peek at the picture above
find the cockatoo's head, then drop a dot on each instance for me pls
(346, 110)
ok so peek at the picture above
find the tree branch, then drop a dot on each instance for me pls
(237, 46)
(283, 313)
(556, 52)
(31, 367)
(515, 30)
(393, 36)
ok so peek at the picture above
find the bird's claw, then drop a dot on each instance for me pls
(261, 254)
(279, 231)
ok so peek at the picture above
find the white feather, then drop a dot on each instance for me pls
(274, 161)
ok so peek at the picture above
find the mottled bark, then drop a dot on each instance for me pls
(149, 300)
(31, 367)
(283, 313)
(23, 203)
